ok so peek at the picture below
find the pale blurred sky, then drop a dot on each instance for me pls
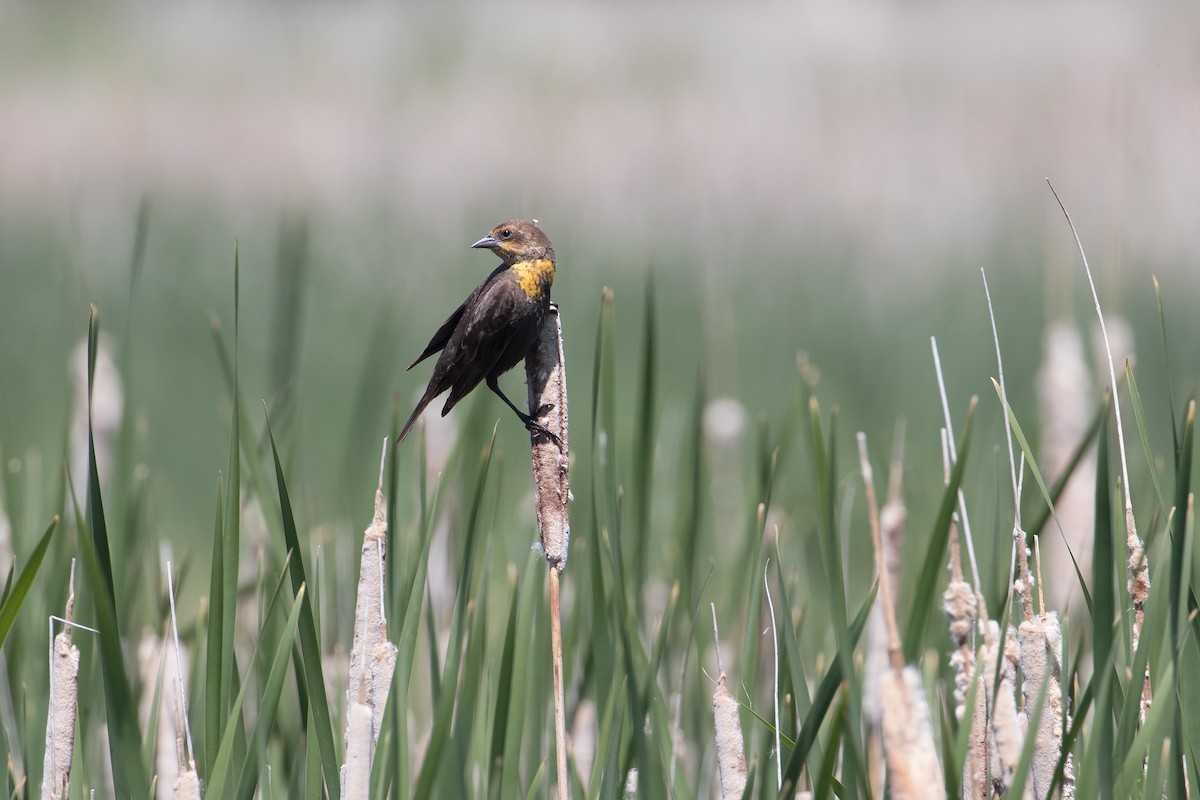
(904, 128)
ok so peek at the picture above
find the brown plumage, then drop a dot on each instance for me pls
(495, 327)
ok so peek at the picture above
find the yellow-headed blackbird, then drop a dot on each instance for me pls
(494, 328)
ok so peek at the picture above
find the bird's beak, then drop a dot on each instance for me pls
(485, 242)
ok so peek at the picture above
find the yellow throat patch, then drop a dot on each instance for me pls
(534, 277)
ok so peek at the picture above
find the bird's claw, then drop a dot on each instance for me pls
(539, 429)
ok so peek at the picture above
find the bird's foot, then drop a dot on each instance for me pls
(538, 429)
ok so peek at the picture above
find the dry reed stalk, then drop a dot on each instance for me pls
(64, 702)
(1006, 721)
(912, 765)
(1041, 666)
(960, 605)
(914, 772)
(356, 772)
(731, 755)
(187, 786)
(731, 758)
(372, 656)
(546, 378)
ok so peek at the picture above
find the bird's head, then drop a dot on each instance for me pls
(517, 240)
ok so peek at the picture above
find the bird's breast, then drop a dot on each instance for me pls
(535, 277)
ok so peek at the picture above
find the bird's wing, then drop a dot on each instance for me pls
(480, 341)
(443, 334)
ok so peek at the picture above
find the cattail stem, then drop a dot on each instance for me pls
(372, 656)
(64, 703)
(546, 376)
(731, 755)
(560, 717)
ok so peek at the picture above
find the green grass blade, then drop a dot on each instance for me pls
(313, 685)
(1162, 329)
(608, 740)
(214, 709)
(268, 704)
(431, 649)
(222, 620)
(314, 764)
(802, 701)
(1139, 415)
(15, 593)
(231, 528)
(443, 712)
(1158, 722)
(8, 580)
(1128, 721)
(643, 462)
(825, 473)
(530, 595)
(612, 777)
(128, 772)
(218, 776)
(291, 269)
(690, 491)
(653, 696)
(535, 784)
(503, 694)
(1183, 488)
(474, 662)
(95, 502)
(752, 589)
(822, 699)
(603, 415)
(926, 594)
(825, 470)
(825, 776)
(1079, 714)
(1189, 698)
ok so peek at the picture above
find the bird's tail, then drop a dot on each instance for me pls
(426, 399)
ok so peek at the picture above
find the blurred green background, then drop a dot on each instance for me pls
(823, 178)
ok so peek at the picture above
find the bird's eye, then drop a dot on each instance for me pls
(506, 234)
